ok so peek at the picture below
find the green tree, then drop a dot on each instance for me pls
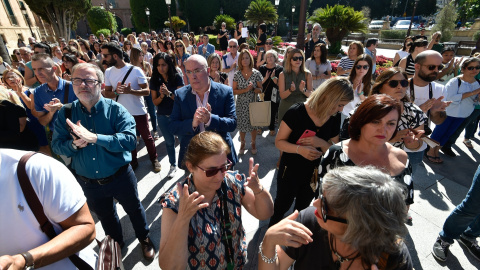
(469, 9)
(158, 14)
(177, 23)
(229, 21)
(62, 15)
(200, 13)
(99, 18)
(445, 22)
(338, 21)
(261, 11)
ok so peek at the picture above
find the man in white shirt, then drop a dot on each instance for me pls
(22, 242)
(130, 94)
(230, 60)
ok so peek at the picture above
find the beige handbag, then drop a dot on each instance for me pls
(260, 113)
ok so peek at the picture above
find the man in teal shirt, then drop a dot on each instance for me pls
(99, 135)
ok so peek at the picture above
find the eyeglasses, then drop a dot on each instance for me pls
(268, 43)
(360, 67)
(213, 172)
(234, 46)
(394, 83)
(194, 72)
(433, 67)
(324, 210)
(88, 82)
(472, 68)
(178, 46)
(297, 58)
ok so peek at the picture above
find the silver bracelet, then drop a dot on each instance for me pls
(265, 258)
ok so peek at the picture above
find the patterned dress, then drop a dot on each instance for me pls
(243, 113)
(205, 246)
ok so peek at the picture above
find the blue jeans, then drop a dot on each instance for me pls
(415, 158)
(124, 189)
(163, 122)
(151, 111)
(466, 217)
(453, 138)
(442, 133)
(472, 124)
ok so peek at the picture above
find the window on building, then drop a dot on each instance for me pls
(10, 13)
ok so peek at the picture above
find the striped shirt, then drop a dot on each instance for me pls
(410, 66)
(346, 63)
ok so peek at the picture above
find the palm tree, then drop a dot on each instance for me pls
(261, 11)
(338, 21)
(177, 23)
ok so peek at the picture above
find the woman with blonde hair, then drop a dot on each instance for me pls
(214, 64)
(247, 83)
(133, 40)
(294, 83)
(306, 131)
(181, 55)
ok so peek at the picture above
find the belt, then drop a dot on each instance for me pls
(106, 180)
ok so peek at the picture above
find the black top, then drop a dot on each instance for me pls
(262, 39)
(268, 85)
(166, 106)
(318, 255)
(223, 40)
(10, 135)
(223, 77)
(309, 47)
(242, 39)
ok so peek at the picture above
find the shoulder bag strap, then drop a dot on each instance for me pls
(125, 78)
(225, 228)
(37, 208)
(412, 91)
(67, 91)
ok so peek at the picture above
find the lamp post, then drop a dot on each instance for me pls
(24, 12)
(413, 15)
(291, 25)
(277, 2)
(169, 2)
(147, 11)
(221, 10)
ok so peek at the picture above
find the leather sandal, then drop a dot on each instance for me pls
(242, 148)
(468, 144)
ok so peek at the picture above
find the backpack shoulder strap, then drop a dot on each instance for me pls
(459, 82)
(68, 111)
(67, 91)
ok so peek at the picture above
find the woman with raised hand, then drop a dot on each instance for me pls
(202, 218)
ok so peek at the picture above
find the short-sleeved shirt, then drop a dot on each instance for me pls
(346, 63)
(335, 157)
(134, 104)
(422, 92)
(318, 254)
(206, 249)
(166, 106)
(262, 39)
(43, 95)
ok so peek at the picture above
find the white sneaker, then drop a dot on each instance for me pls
(172, 171)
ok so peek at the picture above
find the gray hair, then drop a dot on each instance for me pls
(373, 203)
(233, 40)
(422, 57)
(98, 71)
(272, 52)
(317, 24)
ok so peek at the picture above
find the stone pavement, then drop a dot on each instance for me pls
(438, 189)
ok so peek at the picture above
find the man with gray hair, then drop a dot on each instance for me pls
(99, 135)
(230, 60)
(203, 105)
(313, 39)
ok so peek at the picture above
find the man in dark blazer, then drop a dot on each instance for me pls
(203, 105)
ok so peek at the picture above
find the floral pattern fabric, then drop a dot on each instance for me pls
(205, 245)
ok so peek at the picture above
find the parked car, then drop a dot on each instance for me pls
(375, 25)
(403, 25)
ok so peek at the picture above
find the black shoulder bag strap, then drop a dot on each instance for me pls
(67, 91)
(37, 208)
(125, 78)
(225, 228)
(412, 92)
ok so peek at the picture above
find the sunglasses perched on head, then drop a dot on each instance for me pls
(324, 210)
(297, 58)
(433, 67)
(213, 172)
(394, 83)
(360, 67)
(472, 68)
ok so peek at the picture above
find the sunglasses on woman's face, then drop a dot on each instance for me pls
(213, 172)
(178, 46)
(324, 210)
(394, 83)
(362, 66)
(472, 68)
(297, 58)
(268, 43)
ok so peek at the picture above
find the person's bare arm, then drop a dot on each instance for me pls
(396, 58)
(30, 78)
(284, 93)
(257, 200)
(403, 64)
(78, 232)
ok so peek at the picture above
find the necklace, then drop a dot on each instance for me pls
(340, 258)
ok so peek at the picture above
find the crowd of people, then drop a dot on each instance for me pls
(352, 143)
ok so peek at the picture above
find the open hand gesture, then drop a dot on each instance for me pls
(123, 88)
(289, 232)
(189, 203)
(252, 180)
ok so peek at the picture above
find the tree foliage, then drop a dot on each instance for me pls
(158, 14)
(445, 22)
(62, 15)
(469, 9)
(261, 11)
(99, 18)
(229, 21)
(177, 23)
(338, 21)
(105, 32)
(200, 13)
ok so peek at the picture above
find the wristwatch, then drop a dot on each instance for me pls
(29, 263)
(169, 94)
